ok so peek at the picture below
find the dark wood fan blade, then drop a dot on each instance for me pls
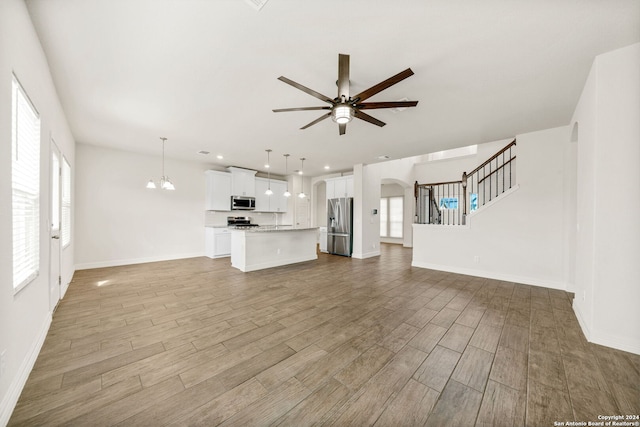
(383, 85)
(367, 118)
(343, 76)
(319, 119)
(393, 104)
(280, 110)
(306, 89)
(342, 127)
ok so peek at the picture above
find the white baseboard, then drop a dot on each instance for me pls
(584, 325)
(607, 340)
(533, 281)
(365, 255)
(17, 384)
(619, 343)
(119, 262)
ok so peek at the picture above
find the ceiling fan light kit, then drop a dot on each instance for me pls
(342, 114)
(344, 108)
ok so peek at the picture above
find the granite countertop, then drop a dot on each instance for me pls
(274, 228)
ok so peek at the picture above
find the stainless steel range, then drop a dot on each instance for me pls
(240, 222)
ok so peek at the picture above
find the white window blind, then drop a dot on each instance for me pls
(25, 179)
(391, 213)
(395, 216)
(383, 217)
(66, 203)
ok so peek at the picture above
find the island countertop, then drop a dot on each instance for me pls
(273, 228)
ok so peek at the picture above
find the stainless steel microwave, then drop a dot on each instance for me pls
(243, 203)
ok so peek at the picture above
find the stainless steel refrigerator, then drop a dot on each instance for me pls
(340, 226)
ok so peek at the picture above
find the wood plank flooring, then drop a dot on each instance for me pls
(336, 341)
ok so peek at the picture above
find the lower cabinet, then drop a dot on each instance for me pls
(323, 239)
(217, 242)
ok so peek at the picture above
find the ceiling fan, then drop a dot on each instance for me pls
(343, 108)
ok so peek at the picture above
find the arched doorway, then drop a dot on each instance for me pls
(396, 212)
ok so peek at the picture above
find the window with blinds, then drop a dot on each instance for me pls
(391, 213)
(65, 229)
(25, 184)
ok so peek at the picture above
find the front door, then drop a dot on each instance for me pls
(54, 228)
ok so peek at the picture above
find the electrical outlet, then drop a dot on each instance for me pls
(476, 259)
(3, 363)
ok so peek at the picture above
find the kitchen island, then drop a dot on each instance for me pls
(265, 247)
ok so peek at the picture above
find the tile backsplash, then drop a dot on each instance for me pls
(216, 218)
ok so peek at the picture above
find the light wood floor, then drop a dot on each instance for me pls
(337, 341)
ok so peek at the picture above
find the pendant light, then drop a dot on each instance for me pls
(268, 166)
(286, 172)
(165, 182)
(301, 172)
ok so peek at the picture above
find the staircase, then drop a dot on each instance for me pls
(449, 203)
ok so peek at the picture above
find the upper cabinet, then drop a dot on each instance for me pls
(276, 202)
(339, 187)
(218, 187)
(243, 182)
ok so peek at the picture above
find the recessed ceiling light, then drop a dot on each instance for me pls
(327, 167)
(219, 157)
(383, 157)
(203, 152)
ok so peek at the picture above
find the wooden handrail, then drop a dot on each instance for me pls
(439, 183)
(496, 170)
(492, 158)
(467, 176)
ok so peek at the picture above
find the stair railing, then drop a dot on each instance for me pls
(439, 203)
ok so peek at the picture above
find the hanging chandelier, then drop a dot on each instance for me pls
(268, 166)
(301, 172)
(286, 172)
(165, 182)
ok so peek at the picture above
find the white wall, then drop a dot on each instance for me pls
(25, 317)
(517, 237)
(119, 221)
(367, 180)
(451, 169)
(608, 230)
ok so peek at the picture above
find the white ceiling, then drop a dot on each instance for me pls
(204, 73)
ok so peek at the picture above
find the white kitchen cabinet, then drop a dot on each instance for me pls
(278, 201)
(217, 242)
(349, 186)
(262, 200)
(339, 187)
(323, 239)
(243, 182)
(218, 191)
(274, 203)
